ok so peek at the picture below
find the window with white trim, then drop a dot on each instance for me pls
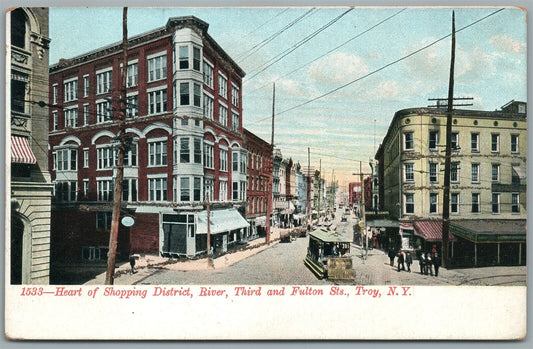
(433, 202)
(409, 203)
(129, 189)
(209, 188)
(157, 68)
(85, 187)
(223, 190)
(454, 202)
(196, 58)
(208, 75)
(103, 222)
(235, 122)
(71, 117)
(157, 189)
(85, 114)
(54, 120)
(85, 85)
(496, 203)
(433, 140)
(132, 106)
(222, 86)
(433, 169)
(455, 141)
(103, 82)
(454, 172)
(185, 189)
(475, 173)
(185, 152)
(157, 101)
(197, 95)
(515, 202)
(104, 158)
(495, 142)
(132, 75)
(184, 93)
(197, 150)
(495, 172)
(475, 203)
(408, 141)
(157, 153)
(223, 115)
(67, 159)
(197, 189)
(208, 107)
(514, 144)
(105, 189)
(408, 172)
(85, 158)
(54, 94)
(208, 155)
(183, 57)
(103, 112)
(66, 191)
(223, 160)
(243, 191)
(474, 142)
(70, 89)
(235, 193)
(235, 161)
(234, 96)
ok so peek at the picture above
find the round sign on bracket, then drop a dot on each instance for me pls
(127, 221)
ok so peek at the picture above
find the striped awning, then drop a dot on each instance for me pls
(21, 152)
(430, 230)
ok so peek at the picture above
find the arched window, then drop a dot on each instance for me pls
(18, 28)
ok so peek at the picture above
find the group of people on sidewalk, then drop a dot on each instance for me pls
(428, 261)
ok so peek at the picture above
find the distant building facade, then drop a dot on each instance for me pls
(259, 170)
(30, 188)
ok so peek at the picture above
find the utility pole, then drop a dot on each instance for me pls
(447, 159)
(271, 177)
(319, 187)
(363, 218)
(117, 199)
(308, 186)
(209, 255)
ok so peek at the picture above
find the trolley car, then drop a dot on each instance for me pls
(328, 249)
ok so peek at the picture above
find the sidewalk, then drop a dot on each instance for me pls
(150, 264)
(376, 270)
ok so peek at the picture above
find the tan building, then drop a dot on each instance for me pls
(30, 189)
(488, 182)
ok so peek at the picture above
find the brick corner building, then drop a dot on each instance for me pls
(185, 145)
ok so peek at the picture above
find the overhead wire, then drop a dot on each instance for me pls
(381, 68)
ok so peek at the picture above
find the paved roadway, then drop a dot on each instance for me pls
(282, 264)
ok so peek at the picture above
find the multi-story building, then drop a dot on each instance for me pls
(184, 145)
(354, 195)
(488, 182)
(30, 187)
(259, 171)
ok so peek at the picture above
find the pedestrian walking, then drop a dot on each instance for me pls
(429, 264)
(408, 260)
(436, 263)
(401, 261)
(211, 261)
(392, 254)
(132, 264)
(421, 261)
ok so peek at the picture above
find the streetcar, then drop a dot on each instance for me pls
(328, 256)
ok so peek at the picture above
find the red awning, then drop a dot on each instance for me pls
(430, 230)
(21, 152)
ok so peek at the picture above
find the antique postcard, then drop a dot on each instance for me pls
(283, 172)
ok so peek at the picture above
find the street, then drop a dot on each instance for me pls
(282, 264)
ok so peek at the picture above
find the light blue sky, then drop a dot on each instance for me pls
(350, 123)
